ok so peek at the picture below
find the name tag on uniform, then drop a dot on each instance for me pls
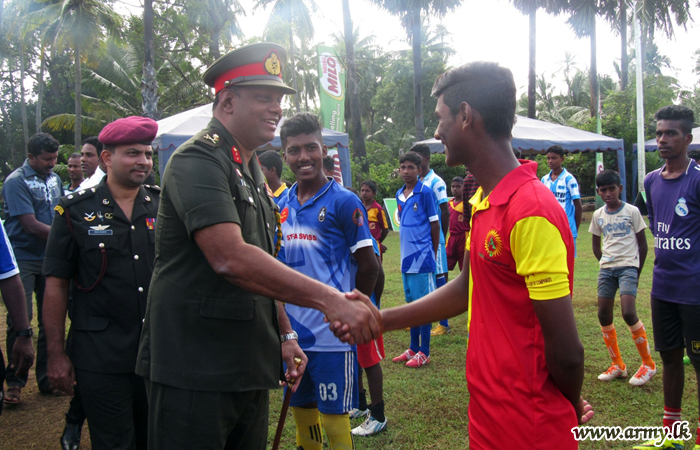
(100, 230)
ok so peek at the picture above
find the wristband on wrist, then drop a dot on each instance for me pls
(28, 332)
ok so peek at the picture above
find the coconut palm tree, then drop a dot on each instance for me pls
(530, 7)
(293, 18)
(410, 13)
(217, 19)
(82, 26)
(583, 23)
(149, 84)
(353, 92)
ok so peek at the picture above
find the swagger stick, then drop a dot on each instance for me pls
(285, 407)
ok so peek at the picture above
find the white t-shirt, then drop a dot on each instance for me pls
(619, 230)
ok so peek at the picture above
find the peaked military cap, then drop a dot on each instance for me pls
(251, 65)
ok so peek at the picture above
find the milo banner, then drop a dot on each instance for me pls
(332, 89)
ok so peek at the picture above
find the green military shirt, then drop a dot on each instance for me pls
(202, 332)
(111, 258)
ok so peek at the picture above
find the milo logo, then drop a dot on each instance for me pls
(330, 76)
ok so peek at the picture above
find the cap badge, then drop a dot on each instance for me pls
(272, 64)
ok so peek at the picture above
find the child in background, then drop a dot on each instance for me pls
(378, 225)
(419, 236)
(621, 259)
(564, 187)
(457, 239)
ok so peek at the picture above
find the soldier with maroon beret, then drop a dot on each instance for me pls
(102, 241)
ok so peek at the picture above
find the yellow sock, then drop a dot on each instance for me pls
(308, 422)
(639, 334)
(610, 338)
(337, 427)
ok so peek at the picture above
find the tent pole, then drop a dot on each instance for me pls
(641, 160)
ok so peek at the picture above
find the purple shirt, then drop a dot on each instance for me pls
(674, 220)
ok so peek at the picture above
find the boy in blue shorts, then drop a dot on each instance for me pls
(325, 236)
(419, 238)
(621, 261)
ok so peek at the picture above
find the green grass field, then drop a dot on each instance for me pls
(427, 408)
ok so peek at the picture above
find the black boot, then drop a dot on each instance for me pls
(70, 439)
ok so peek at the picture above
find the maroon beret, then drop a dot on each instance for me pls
(129, 130)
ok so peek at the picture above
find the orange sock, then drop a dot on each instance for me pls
(639, 334)
(610, 338)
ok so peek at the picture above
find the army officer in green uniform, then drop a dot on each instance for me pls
(210, 347)
(103, 241)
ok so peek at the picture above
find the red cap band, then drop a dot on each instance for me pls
(249, 70)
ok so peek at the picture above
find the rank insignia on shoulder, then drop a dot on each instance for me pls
(236, 155)
(214, 138)
(59, 209)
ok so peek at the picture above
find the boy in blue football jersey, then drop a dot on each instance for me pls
(325, 236)
(419, 237)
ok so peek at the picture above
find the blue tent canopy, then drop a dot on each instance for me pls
(173, 131)
(650, 145)
(532, 136)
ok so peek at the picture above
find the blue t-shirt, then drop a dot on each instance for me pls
(415, 214)
(673, 206)
(25, 192)
(437, 184)
(8, 265)
(319, 238)
(565, 189)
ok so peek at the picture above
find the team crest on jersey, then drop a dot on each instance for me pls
(493, 243)
(600, 222)
(358, 218)
(283, 215)
(415, 206)
(682, 207)
(322, 214)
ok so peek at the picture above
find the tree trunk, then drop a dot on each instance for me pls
(78, 94)
(40, 88)
(594, 73)
(23, 103)
(9, 142)
(417, 74)
(214, 45)
(358, 139)
(532, 76)
(292, 65)
(149, 84)
(624, 60)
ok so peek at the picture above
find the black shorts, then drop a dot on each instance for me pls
(676, 326)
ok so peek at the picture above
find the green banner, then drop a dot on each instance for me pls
(390, 204)
(331, 82)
